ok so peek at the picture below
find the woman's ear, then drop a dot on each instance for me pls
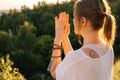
(83, 21)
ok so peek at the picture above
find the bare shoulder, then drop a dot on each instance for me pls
(90, 52)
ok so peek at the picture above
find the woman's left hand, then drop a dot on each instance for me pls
(62, 28)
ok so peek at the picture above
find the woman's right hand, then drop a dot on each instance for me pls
(62, 28)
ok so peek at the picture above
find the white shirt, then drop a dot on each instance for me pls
(78, 66)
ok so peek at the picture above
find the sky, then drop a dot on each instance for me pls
(11, 4)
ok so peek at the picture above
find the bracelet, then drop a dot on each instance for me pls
(56, 56)
(57, 48)
(57, 45)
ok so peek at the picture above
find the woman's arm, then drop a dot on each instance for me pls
(55, 61)
(60, 34)
(67, 47)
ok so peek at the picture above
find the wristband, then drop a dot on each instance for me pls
(56, 56)
(57, 45)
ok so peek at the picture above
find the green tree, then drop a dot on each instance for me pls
(25, 38)
(44, 48)
(12, 20)
(5, 42)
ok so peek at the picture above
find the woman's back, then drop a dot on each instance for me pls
(79, 66)
(93, 23)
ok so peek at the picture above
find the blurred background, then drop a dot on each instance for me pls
(27, 33)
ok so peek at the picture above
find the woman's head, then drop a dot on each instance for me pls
(98, 13)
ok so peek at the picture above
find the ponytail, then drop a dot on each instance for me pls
(109, 30)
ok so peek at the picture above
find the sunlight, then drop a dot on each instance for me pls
(11, 4)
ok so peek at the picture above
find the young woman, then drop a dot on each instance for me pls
(93, 61)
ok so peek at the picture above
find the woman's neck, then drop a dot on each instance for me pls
(92, 38)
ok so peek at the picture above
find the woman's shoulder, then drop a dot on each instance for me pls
(74, 56)
(78, 55)
(71, 58)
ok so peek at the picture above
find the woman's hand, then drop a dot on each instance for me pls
(62, 28)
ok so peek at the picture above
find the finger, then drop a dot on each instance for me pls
(56, 21)
(62, 18)
(67, 18)
(60, 22)
(68, 28)
(60, 15)
(64, 12)
(63, 15)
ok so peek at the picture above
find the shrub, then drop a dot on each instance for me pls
(7, 72)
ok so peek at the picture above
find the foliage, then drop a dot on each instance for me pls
(116, 12)
(116, 70)
(7, 72)
(5, 42)
(25, 38)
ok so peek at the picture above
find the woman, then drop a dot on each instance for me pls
(93, 61)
